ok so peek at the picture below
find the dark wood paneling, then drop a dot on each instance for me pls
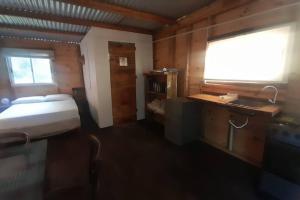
(164, 53)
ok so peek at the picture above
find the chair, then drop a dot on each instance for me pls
(84, 190)
(22, 167)
(95, 164)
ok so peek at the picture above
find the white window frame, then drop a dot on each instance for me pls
(12, 79)
(7, 53)
(287, 63)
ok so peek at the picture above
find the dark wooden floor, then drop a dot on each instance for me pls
(139, 164)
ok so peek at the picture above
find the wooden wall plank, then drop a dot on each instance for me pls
(293, 95)
(212, 9)
(5, 88)
(197, 58)
(164, 55)
(272, 18)
(182, 51)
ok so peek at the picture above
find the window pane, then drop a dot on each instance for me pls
(41, 70)
(21, 70)
(253, 57)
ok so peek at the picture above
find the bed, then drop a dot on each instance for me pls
(41, 119)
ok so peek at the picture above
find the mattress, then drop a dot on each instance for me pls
(41, 119)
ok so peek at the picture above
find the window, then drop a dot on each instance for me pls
(28, 66)
(26, 70)
(254, 57)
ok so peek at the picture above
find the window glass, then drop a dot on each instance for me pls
(41, 70)
(30, 70)
(21, 70)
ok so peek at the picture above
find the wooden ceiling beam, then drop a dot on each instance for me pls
(40, 30)
(70, 20)
(128, 12)
(205, 13)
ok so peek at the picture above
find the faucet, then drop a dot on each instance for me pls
(275, 95)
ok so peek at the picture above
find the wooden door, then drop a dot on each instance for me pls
(123, 82)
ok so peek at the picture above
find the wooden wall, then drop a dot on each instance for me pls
(5, 88)
(293, 94)
(67, 69)
(186, 52)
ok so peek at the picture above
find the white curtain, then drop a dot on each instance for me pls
(261, 56)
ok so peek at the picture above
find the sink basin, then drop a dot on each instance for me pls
(249, 103)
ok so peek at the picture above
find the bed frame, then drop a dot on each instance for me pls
(14, 138)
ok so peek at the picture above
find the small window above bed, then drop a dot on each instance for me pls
(26, 70)
(29, 67)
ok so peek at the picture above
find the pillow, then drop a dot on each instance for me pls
(33, 99)
(57, 97)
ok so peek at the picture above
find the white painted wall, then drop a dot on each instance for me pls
(89, 73)
(94, 47)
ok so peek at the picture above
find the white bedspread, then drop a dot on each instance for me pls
(41, 119)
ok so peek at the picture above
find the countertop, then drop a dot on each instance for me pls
(268, 109)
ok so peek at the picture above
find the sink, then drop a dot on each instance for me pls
(249, 103)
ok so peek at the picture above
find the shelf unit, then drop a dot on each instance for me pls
(162, 86)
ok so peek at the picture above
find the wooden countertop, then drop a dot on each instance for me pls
(268, 109)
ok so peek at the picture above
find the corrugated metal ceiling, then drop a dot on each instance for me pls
(62, 9)
(44, 24)
(172, 9)
(169, 8)
(35, 35)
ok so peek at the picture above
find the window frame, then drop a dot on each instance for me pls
(11, 75)
(251, 31)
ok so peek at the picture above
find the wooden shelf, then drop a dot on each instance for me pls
(156, 74)
(159, 86)
(157, 93)
(152, 112)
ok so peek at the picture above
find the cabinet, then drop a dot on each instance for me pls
(215, 124)
(159, 86)
(248, 142)
(182, 124)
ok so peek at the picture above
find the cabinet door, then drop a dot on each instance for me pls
(215, 125)
(249, 141)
